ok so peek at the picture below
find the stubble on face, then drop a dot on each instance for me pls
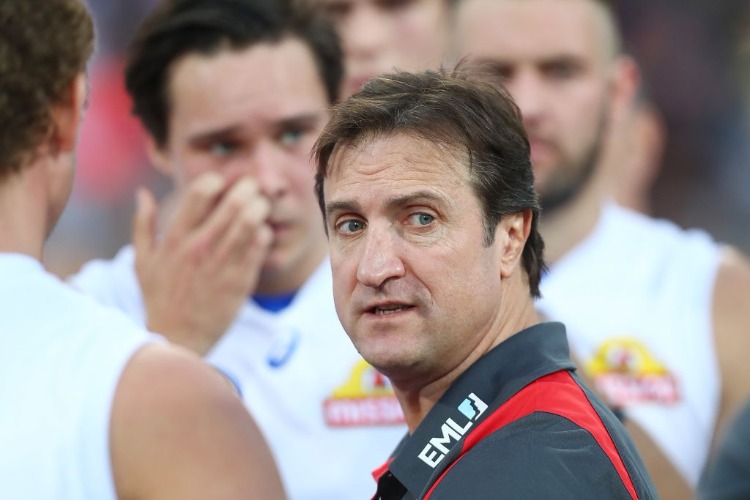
(555, 57)
(570, 176)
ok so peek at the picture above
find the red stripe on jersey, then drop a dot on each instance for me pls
(559, 394)
(378, 473)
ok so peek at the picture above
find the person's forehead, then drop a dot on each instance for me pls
(532, 29)
(259, 62)
(395, 172)
(264, 81)
(401, 156)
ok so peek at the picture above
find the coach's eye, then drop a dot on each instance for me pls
(421, 219)
(350, 226)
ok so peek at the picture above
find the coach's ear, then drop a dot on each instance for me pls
(67, 115)
(511, 235)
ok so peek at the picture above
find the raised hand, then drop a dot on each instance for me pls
(195, 277)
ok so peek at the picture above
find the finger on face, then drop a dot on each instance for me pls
(198, 202)
(236, 221)
(252, 255)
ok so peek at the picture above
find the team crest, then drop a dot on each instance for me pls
(625, 373)
(365, 399)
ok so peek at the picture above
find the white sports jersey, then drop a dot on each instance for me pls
(61, 356)
(636, 298)
(329, 418)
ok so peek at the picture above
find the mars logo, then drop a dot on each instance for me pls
(366, 398)
(625, 372)
(472, 408)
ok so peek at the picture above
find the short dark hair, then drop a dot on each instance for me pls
(461, 108)
(180, 27)
(44, 45)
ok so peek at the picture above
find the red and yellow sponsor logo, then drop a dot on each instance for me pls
(625, 373)
(365, 399)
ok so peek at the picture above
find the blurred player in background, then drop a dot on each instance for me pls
(667, 342)
(379, 36)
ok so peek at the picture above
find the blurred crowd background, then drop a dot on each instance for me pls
(695, 58)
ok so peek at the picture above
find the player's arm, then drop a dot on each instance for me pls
(731, 323)
(179, 432)
(195, 278)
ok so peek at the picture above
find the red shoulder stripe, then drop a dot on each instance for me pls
(559, 394)
(378, 473)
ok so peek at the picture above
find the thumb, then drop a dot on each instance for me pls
(144, 222)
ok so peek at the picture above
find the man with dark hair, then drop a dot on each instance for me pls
(233, 94)
(428, 199)
(657, 317)
(94, 407)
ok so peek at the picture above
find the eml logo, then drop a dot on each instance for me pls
(472, 408)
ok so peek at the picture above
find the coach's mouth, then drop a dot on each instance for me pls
(387, 308)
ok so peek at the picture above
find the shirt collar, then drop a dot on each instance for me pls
(486, 385)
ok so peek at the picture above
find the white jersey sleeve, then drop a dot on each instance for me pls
(61, 357)
(636, 297)
(113, 283)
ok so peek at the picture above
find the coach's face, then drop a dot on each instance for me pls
(409, 257)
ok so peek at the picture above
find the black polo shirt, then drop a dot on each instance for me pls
(518, 424)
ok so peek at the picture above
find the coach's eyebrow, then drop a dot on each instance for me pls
(415, 198)
(341, 206)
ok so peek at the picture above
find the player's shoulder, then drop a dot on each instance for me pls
(175, 413)
(170, 379)
(730, 317)
(661, 233)
(112, 282)
(732, 288)
(94, 271)
(734, 271)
